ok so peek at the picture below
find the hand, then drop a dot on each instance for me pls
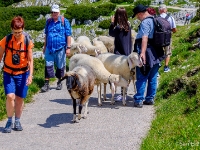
(112, 18)
(43, 50)
(68, 51)
(143, 57)
(29, 80)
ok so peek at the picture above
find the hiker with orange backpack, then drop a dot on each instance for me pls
(56, 46)
(17, 71)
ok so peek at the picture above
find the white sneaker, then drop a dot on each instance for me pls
(119, 98)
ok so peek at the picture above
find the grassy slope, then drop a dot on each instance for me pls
(177, 123)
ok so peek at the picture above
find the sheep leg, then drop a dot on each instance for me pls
(86, 106)
(113, 93)
(74, 108)
(80, 110)
(99, 94)
(104, 96)
(124, 99)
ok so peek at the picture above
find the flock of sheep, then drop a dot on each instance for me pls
(94, 63)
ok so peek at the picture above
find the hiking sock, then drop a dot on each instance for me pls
(9, 119)
(17, 119)
(46, 82)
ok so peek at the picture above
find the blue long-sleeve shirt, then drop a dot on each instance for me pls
(56, 34)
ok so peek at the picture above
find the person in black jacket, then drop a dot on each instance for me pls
(120, 29)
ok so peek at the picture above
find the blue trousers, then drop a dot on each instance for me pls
(150, 80)
(57, 59)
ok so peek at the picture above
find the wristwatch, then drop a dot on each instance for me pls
(68, 47)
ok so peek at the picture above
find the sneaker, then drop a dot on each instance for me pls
(119, 98)
(17, 126)
(45, 88)
(148, 102)
(8, 127)
(139, 105)
(166, 69)
(59, 86)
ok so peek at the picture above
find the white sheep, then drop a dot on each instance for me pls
(108, 41)
(103, 75)
(99, 45)
(83, 45)
(121, 65)
(80, 84)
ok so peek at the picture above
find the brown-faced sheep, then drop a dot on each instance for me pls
(80, 84)
(102, 75)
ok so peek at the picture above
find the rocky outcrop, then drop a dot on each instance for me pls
(27, 3)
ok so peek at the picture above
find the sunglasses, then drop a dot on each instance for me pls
(54, 12)
(17, 32)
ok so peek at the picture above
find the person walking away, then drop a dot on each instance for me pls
(168, 49)
(120, 29)
(150, 55)
(56, 46)
(187, 18)
(17, 71)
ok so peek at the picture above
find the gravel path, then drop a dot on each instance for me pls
(47, 124)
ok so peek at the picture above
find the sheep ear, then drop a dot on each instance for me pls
(77, 80)
(79, 49)
(130, 63)
(63, 78)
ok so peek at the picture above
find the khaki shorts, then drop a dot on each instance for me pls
(168, 50)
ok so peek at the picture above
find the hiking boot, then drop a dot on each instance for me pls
(148, 102)
(8, 127)
(139, 105)
(45, 88)
(17, 126)
(166, 69)
(59, 86)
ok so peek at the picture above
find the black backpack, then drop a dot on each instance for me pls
(162, 31)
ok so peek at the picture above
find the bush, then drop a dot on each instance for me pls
(143, 2)
(81, 13)
(121, 1)
(105, 24)
(4, 3)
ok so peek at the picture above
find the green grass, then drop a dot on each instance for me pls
(177, 124)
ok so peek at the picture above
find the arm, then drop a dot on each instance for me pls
(30, 62)
(143, 48)
(44, 44)
(68, 45)
(1, 53)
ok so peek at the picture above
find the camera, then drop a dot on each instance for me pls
(15, 59)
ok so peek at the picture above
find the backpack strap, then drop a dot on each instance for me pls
(167, 16)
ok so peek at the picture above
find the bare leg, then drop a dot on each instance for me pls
(10, 104)
(19, 105)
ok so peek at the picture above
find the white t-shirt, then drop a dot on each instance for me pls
(170, 20)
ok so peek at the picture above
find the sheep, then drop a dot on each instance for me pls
(133, 37)
(103, 76)
(121, 65)
(108, 41)
(99, 45)
(83, 45)
(80, 85)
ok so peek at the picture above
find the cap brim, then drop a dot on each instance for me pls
(55, 10)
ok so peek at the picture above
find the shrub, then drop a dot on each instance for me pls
(105, 24)
(81, 13)
(143, 2)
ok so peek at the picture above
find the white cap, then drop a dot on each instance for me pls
(55, 8)
(162, 6)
